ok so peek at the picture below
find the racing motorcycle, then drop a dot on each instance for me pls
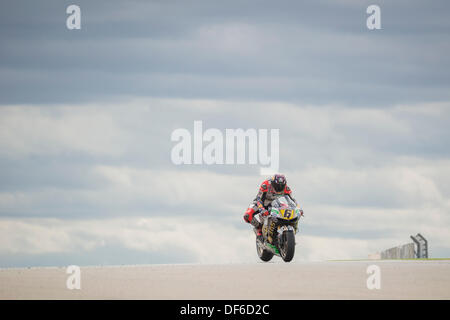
(278, 230)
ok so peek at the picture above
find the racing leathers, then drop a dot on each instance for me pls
(264, 198)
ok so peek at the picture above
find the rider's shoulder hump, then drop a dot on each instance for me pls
(265, 185)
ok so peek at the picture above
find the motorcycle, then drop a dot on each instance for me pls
(279, 227)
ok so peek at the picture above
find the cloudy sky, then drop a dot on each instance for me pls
(86, 118)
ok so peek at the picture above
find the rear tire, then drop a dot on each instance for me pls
(288, 246)
(263, 254)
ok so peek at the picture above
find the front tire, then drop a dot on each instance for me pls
(263, 254)
(287, 248)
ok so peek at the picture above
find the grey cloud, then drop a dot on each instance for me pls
(334, 155)
(317, 52)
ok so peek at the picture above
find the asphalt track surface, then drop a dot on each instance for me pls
(278, 280)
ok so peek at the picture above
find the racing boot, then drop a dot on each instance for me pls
(259, 235)
(258, 229)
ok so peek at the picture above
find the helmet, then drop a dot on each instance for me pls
(278, 182)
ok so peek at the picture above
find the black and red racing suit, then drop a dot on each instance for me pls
(264, 198)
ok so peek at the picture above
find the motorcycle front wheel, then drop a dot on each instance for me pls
(287, 246)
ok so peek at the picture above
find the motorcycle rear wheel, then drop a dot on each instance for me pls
(263, 254)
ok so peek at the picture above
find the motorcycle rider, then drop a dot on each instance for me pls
(272, 188)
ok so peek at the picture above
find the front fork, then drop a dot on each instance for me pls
(282, 230)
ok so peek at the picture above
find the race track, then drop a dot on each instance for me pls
(308, 280)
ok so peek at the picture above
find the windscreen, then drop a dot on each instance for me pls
(283, 201)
